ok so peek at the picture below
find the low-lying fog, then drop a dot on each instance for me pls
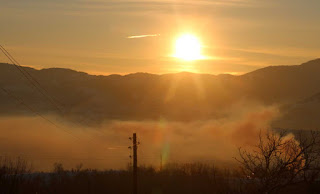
(105, 145)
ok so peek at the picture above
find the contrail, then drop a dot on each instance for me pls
(143, 36)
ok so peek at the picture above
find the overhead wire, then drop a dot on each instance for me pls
(20, 101)
(36, 84)
(31, 79)
(39, 88)
(30, 108)
(34, 111)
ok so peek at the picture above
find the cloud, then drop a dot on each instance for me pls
(281, 51)
(170, 2)
(143, 36)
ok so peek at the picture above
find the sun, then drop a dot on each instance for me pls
(188, 47)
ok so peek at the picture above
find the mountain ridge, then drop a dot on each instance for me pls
(143, 96)
(311, 63)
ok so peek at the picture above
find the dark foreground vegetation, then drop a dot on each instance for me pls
(278, 164)
(186, 178)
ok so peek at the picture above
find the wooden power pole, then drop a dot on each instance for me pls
(160, 162)
(135, 164)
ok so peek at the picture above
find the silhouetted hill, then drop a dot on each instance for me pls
(302, 115)
(284, 83)
(143, 96)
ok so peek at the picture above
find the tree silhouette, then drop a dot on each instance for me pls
(280, 160)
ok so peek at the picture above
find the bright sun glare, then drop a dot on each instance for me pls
(188, 48)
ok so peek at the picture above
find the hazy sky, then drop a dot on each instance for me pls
(92, 35)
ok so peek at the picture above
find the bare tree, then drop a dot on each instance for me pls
(13, 173)
(280, 160)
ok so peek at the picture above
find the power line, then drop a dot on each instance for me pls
(36, 84)
(31, 79)
(34, 111)
(33, 82)
(43, 92)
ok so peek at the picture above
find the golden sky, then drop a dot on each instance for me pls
(127, 36)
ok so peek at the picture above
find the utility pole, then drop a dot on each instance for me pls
(160, 162)
(135, 164)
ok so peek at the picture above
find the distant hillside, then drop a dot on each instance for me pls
(142, 96)
(302, 115)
